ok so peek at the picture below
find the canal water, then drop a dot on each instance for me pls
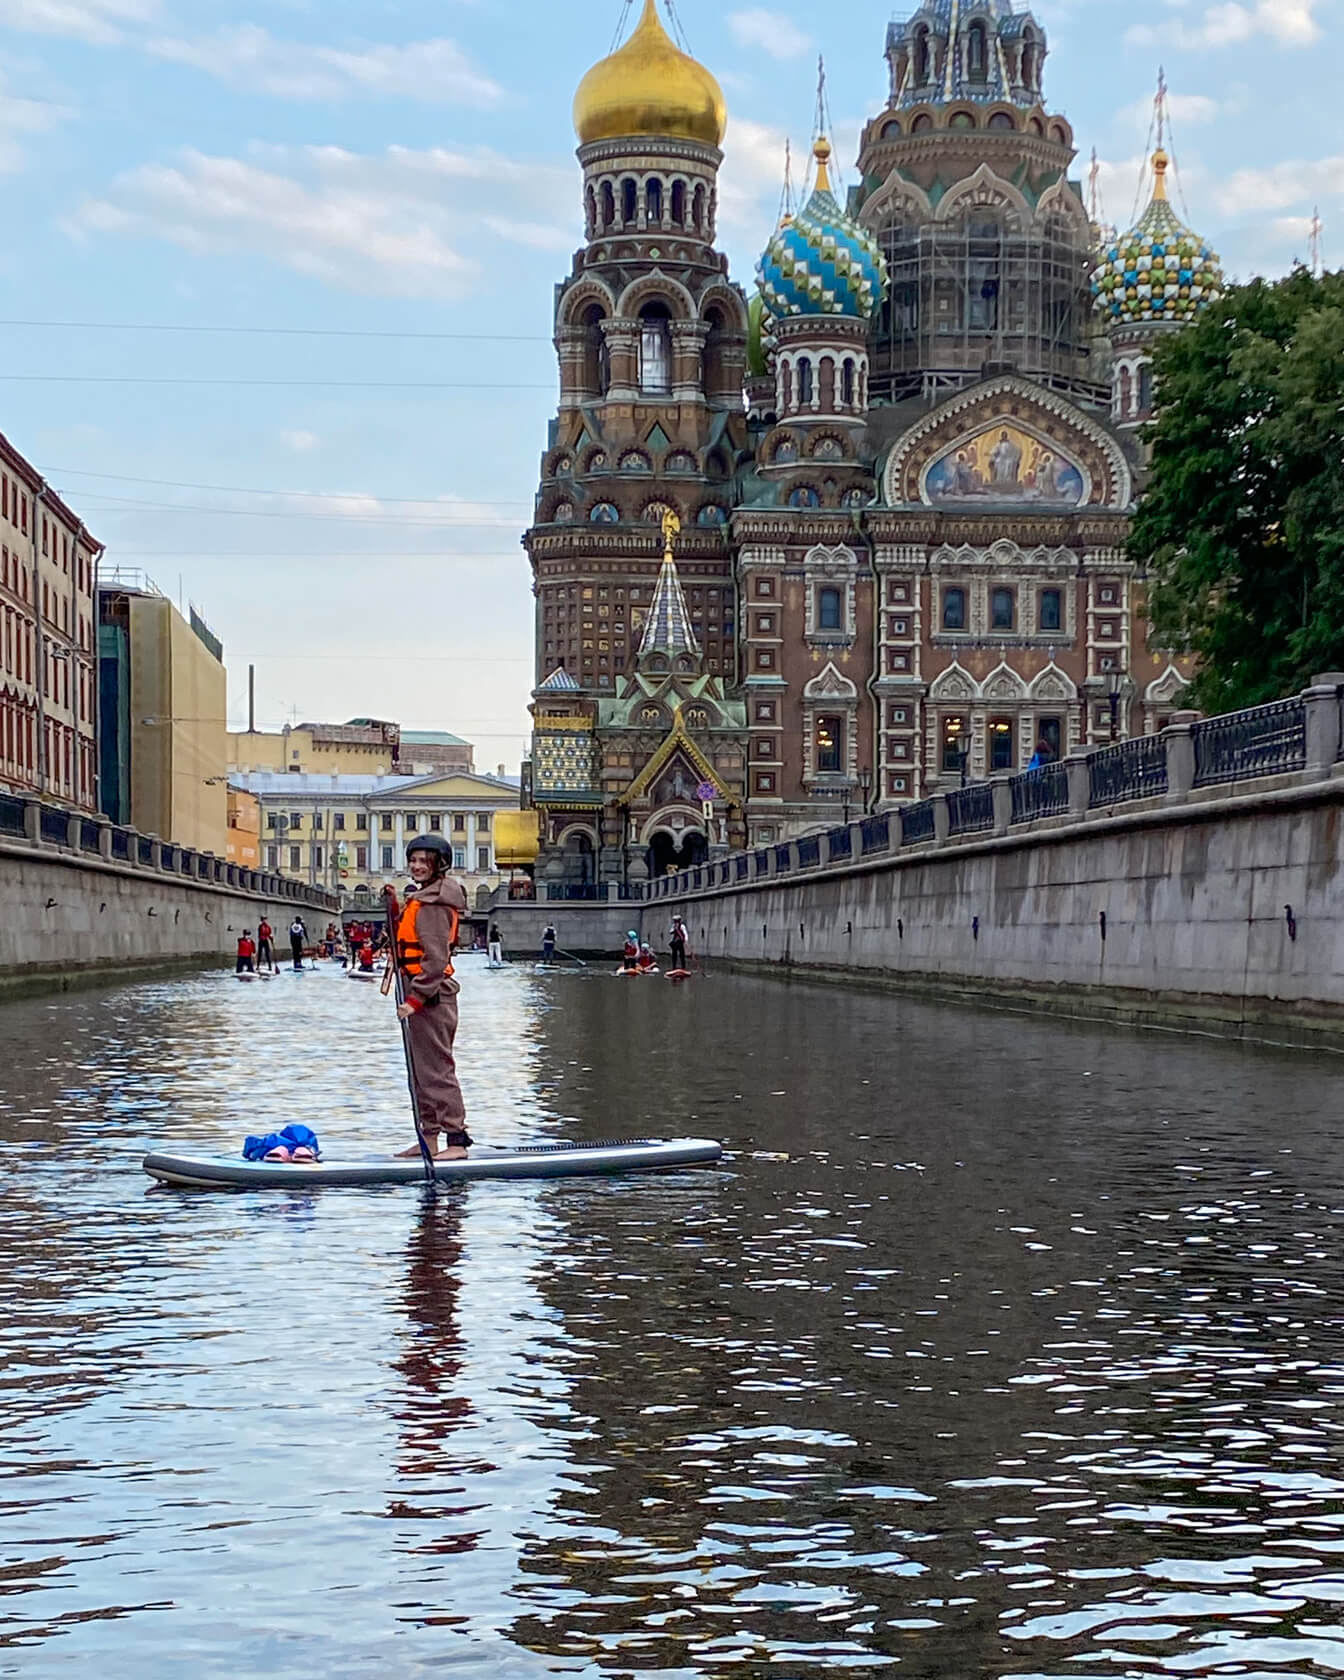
(997, 1347)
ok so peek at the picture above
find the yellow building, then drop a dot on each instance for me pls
(363, 746)
(348, 833)
(244, 828)
(163, 720)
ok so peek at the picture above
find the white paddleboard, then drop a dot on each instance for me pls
(545, 1160)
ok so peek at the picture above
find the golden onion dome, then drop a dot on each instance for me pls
(649, 87)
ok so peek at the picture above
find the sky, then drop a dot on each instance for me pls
(276, 296)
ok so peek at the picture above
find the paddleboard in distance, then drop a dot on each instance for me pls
(542, 1160)
(678, 973)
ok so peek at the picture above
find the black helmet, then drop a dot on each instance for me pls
(431, 843)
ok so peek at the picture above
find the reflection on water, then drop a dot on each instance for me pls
(998, 1348)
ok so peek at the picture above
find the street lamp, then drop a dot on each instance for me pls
(1113, 700)
(865, 787)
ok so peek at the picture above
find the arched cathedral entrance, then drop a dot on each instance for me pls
(669, 851)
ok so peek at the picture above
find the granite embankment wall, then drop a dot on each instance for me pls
(1189, 880)
(74, 914)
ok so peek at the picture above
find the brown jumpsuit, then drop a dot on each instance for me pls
(432, 992)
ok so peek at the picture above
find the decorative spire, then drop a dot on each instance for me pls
(667, 629)
(821, 150)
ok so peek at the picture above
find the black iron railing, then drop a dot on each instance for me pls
(917, 822)
(574, 892)
(970, 810)
(1134, 769)
(144, 849)
(1262, 741)
(1043, 792)
(781, 859)
(742, 864)
(11, 815)
(54, 825)
(89, 835)
(874, 834)
(809, 851)
(842, 843)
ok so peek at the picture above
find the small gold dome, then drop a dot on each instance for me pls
(649, 87)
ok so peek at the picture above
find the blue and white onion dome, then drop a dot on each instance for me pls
(1159, 271)
(821, 262)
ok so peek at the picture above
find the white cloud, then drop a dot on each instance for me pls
(1192, 108)
(770, 32)
(250, 57)
(1292, 182)
(397, 223)
(1289, 22)
(302, 443)
(99, 21)
(20, 119)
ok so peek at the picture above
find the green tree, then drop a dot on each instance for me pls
(1242, 523)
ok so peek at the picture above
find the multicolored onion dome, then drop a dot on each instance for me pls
(1159, 271)
(821, 262)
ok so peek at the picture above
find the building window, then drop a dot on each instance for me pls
(1001, 744)
(459, 823)
(338, 821)
(459, 857)
(1049, 733)
(317, 857)
(804, 380)
(830, 744)
(829, 609)
(387, 857)
(317, 819)
(956, 743)
(385, 822)
(1001, 609)
(655, 351)
(272, 857)
(272, 820)
(954, 609)
(483, 860)
(1051, 614)
(294, 860)
(435, 823)
(296, 819)
(361, 857)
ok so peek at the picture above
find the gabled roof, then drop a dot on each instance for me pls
(677, 739)
(559, 682)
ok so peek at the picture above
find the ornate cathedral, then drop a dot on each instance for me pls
(861, 535)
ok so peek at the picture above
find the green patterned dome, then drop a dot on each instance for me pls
(821, 262)
(1159, 272)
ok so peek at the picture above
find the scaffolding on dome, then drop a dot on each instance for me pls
(980, 294)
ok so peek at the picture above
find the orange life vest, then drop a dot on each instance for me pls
(410, 952)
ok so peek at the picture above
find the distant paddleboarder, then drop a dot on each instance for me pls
(678, 936)
(298, 938)
(266, 944)
(548, 944)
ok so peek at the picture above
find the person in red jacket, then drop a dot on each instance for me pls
(423, 952)
(246, 952)
(265, 950)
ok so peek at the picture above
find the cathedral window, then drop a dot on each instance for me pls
(922, 123)
(1049, 614)
(923, 58)
(1001, 609)
(679, 204)
(804, 380)
(830, 744)
(956, 744)
(1000, 120)
(596, 360)
(590, 213)
(629, 207)
(698, 213)
(1145, 390)
(608, 206)
(977, 52)
(1031, 61)
(653, 202)
(655, 350)
(829, 607)
(847, 383)
(954, 609)
(1126, 392)
(1001, 756)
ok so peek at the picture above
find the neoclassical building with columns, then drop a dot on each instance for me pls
(861, 534)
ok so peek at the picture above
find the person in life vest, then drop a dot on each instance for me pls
(298, 938)
(365, 957)
(647, 960)
(246, 951)
(266, 944)
(630, 950)
(423, 952)
(678, 936)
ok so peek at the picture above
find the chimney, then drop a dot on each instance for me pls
(501, 772)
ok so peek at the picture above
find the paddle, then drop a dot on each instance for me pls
(571, 956)
(393, 976)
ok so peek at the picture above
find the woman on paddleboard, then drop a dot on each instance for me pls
(423, 951)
